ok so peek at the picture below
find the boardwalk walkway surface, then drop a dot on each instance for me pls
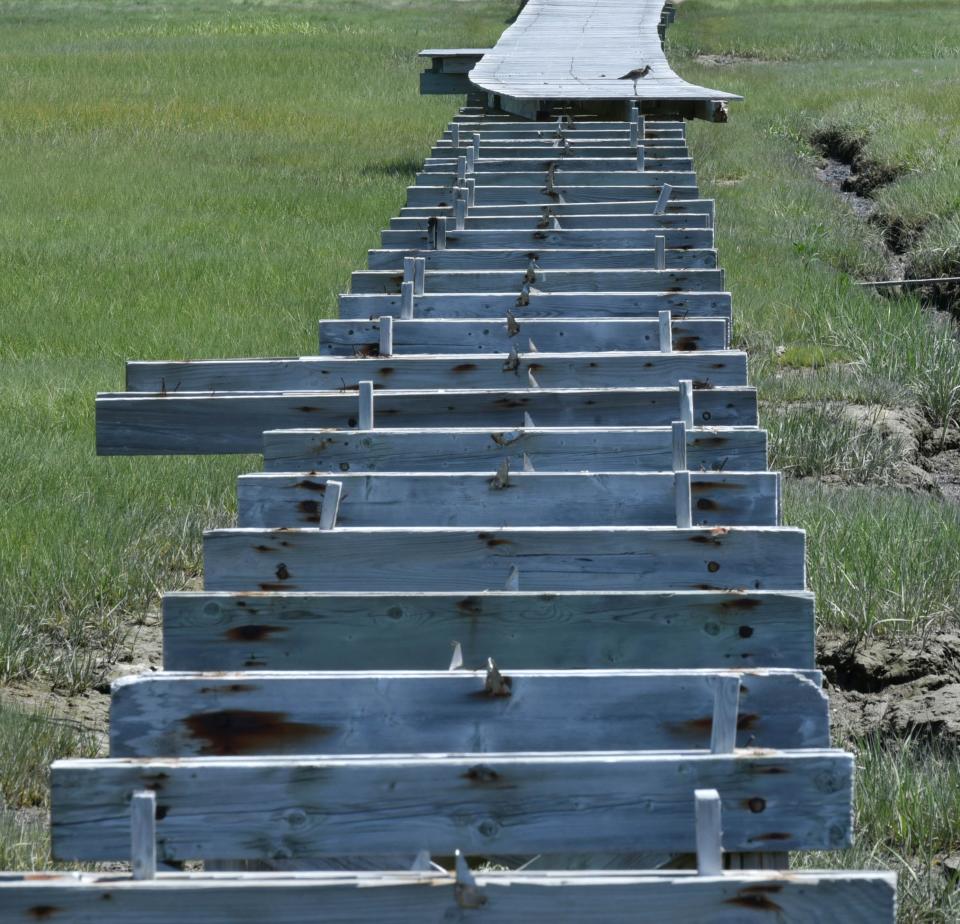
(512, 586)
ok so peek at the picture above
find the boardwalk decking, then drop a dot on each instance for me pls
(514, 581)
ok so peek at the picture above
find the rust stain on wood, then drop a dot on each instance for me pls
(246, 731)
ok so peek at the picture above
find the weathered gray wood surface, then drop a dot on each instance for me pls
(564, 175)
(468, 370)
(570, 151)
(644, 204)
(607, 237)
(513, 281)
(581, 335)
(542, 305)
(696, 225)
(545, 259)
(472, 450)
(563, 49)
(539, 194)
(655, 164)
(462, 559)
(256, 713)
(130, 424)
(272, 808)
(568, 629)
(431, 898)
(295, 499)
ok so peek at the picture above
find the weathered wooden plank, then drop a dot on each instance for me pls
(539, 194)
(569, 629)
(295, 499)
(296, 808)
(468, 560)
(250, 713)
(654, 164)
(643, 204)
(544, 259)
(131, 424)
(514, 281)
(563, 177)
(569, 150)
(614, 449)
(432, 898)
(542, 305)
(467, 370)
(692, 224)
(542, 241)
(581, 335)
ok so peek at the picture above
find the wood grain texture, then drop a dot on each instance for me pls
(568, 629)
(477, 450)
(534, 240)
(564, 176)
(225, 423)
(463, 559)
(540, 195)
(467, 370)
(280, 808)
(656, 163)
(695, 228)
(254, 713)
(296, 499)
(579, 335)
(429, 898)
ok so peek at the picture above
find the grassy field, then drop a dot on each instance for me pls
(199, 179)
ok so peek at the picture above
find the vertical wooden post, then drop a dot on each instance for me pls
(471, 192)
(513, 579)
(455, 135)
(461, 168)
(686, 402)
(681, 487)
(365, 410)
(460, 212)
(476, 148)
(419, 275)
(641, 127)
(660, 252)
(441, 243)
(143, 834)
(709, 833)
(330, 507)
(726, 704)
(679, 434)
(528, 420)
(406, 300)
(663, 199)
(386, 335)
(409, 268)
(641, 158)
(666, 332)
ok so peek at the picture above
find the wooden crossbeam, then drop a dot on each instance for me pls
(641, 204)
(535, 192)
(489, 181)
(691, 224)
(564, 240)
(655, 163)
(547, 259)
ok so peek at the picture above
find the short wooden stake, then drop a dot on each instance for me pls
(471, 163)
(679, 433)
(663, 199)
(461, 168)
(686, 402)
(531, 379)
(456, 657)
(709, 833)
(495, 684)
(681, 486)
(409, 268)
(634, 134)
(527, 464)
(660, 252)
(420, 276)
(460, 213)
(143, 834)
(641, 127)
(726, 703)
(441, 240)
(528, 420)
(476, 149)
(365, 411)
(465, 889)
(331, 504)
(406, 300)
(501, 478)
(386, 335)
(641, 158)
(455, 134)
(471, 192)
(666, 332)
(513, 579)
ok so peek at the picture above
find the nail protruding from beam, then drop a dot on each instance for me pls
(406, 300)
(143, 834)
(681, 486)
(513, 327)
(513, 579)
(422, 862)
(686, 402)
(660, 252)
(386, 335)
(501, 479)
(531, 346)
(663, 199)
(456, 658)
(679, 433)
(531, 379)
(330, 507)
(495, 684)
(709, 833)
(365, 410)
(726, 704)
(665, 329)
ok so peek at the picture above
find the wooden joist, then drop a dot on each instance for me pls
(415, 630)
(467, 560)
(508, 498)
(535, 304)
(676, 223)
(270, 808)
(436, 898)
(445, 336)
(644, 203)
(253, 713)
(655, 163)
(538, 193)
(537, 149)
(563, 176)
(201, 423)
(468, 370)
(546, 243)
(544, 259)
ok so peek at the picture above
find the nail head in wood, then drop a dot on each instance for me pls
(709, 832)
(143, 835)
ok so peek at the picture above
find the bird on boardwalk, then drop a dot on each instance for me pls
(637, 73)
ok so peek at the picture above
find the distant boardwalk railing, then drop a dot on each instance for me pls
(513, 584)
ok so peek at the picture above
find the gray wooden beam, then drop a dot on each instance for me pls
(536, 240)
(546, 259)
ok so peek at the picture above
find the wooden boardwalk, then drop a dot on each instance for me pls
(512, 586)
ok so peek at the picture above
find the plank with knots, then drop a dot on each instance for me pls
(563, 240)
(253, 713)
(289, 808)
(361, 630)
(538, 193)
(563, 176)
(544, 258)
(643, 204)
(545, 558)
(681, 228)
